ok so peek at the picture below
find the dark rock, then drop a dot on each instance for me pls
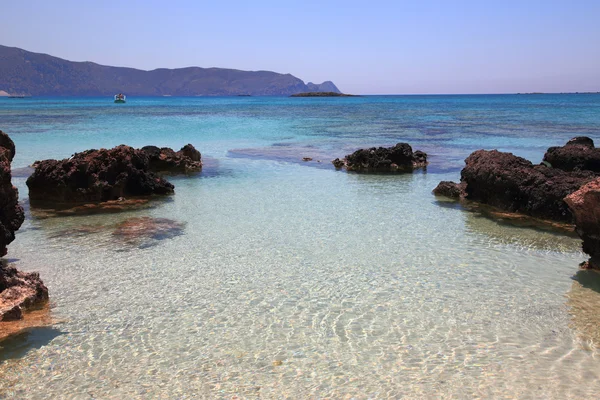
(14, 314)
(578, 154)
(8, 144)
(338, 163)
(95, 176)
(581, 141)
(190, 151)
(19, 291)
(399, 158)
(450, 189)
(11, 213)
(186, 160)
(585, 206)
(514, 184)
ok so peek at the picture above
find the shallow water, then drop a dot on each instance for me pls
(290, 279)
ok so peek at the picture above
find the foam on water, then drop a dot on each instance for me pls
(285, 280)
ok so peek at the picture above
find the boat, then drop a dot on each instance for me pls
(120, 98)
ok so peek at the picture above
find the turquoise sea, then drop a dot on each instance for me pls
(290, 279)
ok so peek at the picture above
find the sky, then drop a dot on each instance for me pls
(364, 47)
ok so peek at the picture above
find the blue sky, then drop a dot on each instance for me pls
(365, 47)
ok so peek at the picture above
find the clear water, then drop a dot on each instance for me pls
(293, 280)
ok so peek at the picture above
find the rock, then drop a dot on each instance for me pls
(190, 151)
(585, 206)
(186, 160)
(338, 163)
(19, 291)
(399, 158)
(14, 314)
(581, 141)
(95, 176)
(450, 189)
(7, 143)
(514, 184)
(579, 154)
(11, 213)
(306, 158)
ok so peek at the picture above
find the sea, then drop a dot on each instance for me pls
(282, 278)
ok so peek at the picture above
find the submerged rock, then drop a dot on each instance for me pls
(579, 154)
(399, 158)
(95, 176)
(165, 159)
(585, 206)
(11, 213)
(19, 291)
(450, 189)
(514, 184)
(142, 231)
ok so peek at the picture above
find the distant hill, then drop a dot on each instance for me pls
(35, 74)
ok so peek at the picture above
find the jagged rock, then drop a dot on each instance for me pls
(19, 291)
(579, 154)
(450, 189)
(514, 184)
(585, 206)
(11, 213)
(165, 159)
(338, 163)
(8, 144)
(399, 158)
(95, 176)
(190, 151)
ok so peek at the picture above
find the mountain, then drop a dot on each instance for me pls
(35, 74)
(326, 86)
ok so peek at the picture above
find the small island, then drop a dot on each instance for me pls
(322, 94)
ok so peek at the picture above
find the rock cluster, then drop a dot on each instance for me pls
(399, 158)
(103, 175)
(514, 184)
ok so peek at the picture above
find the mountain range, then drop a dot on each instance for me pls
(33, 74)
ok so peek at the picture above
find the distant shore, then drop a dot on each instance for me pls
(322, 94)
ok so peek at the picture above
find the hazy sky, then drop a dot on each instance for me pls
(366, 47)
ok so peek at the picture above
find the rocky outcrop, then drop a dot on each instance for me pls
(585, 206)
(450, 189)
(19, 291)
(514, 184)
(11, 213)
(166, 160)
(95, 176)
(579, 154)
(399, 158)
